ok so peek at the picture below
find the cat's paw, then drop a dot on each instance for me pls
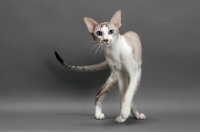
(119, 119)
(140, 116)
(100, 116)
(125, 112)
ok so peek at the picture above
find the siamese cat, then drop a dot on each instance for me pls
(123, 55)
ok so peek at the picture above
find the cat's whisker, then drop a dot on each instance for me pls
(101, 51)
(100, 56)
(97, 51)
(93, 48)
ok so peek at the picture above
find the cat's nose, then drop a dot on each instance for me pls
(105, 40)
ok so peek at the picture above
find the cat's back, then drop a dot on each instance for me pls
(133, 40)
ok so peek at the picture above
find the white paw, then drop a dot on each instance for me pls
(100, 116)
(140, 116)
(125, 112)
(119, 119)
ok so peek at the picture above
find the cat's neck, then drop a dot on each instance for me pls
(113, 50)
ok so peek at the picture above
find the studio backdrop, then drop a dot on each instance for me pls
(31, 30)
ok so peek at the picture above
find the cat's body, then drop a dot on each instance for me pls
(123, 55)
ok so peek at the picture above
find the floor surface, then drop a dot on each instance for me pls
(80, 118)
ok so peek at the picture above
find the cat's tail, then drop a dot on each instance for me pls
(91, 68)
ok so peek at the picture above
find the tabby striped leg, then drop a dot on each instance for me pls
(105, 89)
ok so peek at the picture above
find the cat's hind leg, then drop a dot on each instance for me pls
(136, 114)
(134, 111)
(111, 82)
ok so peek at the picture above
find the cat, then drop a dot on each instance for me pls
(123, 55)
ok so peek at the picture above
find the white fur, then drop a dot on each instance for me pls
(98, 114)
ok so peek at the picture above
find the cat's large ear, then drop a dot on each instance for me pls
(90, 23)
(116, 19)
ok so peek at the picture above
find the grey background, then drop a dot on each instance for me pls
(38, 94)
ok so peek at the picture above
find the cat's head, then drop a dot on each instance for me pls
(106, 32)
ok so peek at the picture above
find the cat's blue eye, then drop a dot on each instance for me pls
(111, 31)
(99, 33)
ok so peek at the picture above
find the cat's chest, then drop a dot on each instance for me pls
(114, 60)
(117, 55)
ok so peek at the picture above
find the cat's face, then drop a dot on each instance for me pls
(105, 33)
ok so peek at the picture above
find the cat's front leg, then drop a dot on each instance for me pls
(126, 109)
(126, 106)
(105, 89)
(98, 112)
(123, 82)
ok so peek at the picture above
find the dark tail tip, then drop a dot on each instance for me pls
(58, 57)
